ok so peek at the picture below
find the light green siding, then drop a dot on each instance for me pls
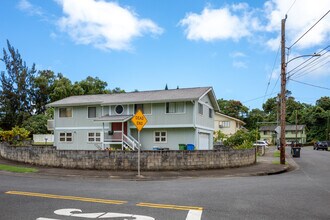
(203, 120)
(175, 136)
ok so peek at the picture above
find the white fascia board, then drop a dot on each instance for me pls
(79, 128)
(212, 98)
(168, 126)
(205, 128)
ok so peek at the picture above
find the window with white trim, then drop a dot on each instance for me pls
(145, 108)
(119, 109)
(175, 107)
(224, 124)
(91, 112)
(200, 108)
(65, 112)
(160, 137)
(210, 113)
(66, 137)
(94, 137)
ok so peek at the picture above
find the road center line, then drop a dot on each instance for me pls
(167, 206)
(75, 198)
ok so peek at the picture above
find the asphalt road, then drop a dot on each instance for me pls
(300, 194)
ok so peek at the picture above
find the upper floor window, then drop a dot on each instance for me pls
(145, 108)
(210, 113)
(200, 108)
(65, 112)
(224, 124)
(91, 112)
(175, 107)
(119, 109)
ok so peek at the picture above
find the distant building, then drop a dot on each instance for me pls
(269, 134)
(226, 124)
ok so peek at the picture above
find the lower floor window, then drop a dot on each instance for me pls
(160, 137)
(94, 137)
(66, 137)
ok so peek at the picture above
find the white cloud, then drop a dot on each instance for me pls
(105, 25)
(217, 24)
(237, 54)
(239, 21)
(240, 65)
(26, 6)
(301, 17)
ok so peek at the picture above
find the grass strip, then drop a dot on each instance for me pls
(278, 162)
(17, 169)
(277, 153)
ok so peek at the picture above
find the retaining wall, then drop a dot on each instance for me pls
(127, 160)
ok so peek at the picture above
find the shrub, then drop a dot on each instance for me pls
(243, 139)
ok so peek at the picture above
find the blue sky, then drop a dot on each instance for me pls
(146, 44)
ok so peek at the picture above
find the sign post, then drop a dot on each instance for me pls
(139, 120)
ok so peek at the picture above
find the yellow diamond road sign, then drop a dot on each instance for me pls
(139, 120)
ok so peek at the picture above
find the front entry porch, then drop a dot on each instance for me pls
(115, 132)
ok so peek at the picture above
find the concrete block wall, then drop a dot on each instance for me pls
(127, 160)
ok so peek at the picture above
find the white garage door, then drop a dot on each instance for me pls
(203, 141)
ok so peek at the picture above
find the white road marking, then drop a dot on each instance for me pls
(194, 215)
(42, 218)
(98, 215)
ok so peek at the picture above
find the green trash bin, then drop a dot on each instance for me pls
(182, 147)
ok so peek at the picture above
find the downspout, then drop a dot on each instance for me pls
(194, 121)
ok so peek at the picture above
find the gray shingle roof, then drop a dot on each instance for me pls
(155, 96)
(287, 127)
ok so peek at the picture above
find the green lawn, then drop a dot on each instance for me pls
(17, 169)
(277, 153)
(278, 162)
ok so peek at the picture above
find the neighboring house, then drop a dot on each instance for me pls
(178, 116)
(226, 124)
(292, 133)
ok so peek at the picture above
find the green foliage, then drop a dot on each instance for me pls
(36, 124)
(242, 138)
(245, 145)
(233, 108)
(219, 136)
(16, 89)
(15, 136)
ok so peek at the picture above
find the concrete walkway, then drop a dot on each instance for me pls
(266, 165)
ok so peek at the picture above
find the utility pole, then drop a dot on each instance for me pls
(283, 92)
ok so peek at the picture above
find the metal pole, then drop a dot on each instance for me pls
(283, 91)
(296, 126)
(139, 173)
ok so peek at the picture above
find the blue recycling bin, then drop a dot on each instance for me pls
(190, 147)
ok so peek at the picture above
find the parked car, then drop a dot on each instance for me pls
(323, 145)
(260, 144)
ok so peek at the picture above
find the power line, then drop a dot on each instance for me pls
(270, 76)
(260, 97)
(307, 64)
(309, 29)
(291, 6)
(321, 87)
(304, 73)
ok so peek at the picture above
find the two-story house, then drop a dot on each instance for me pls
(292, 133)
(227, 124)
(177, 116)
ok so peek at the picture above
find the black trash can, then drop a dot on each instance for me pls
(295, 151)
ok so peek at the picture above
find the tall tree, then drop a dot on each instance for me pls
(92, 85)
(233, 108)
(16, 89)
(44, 85)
